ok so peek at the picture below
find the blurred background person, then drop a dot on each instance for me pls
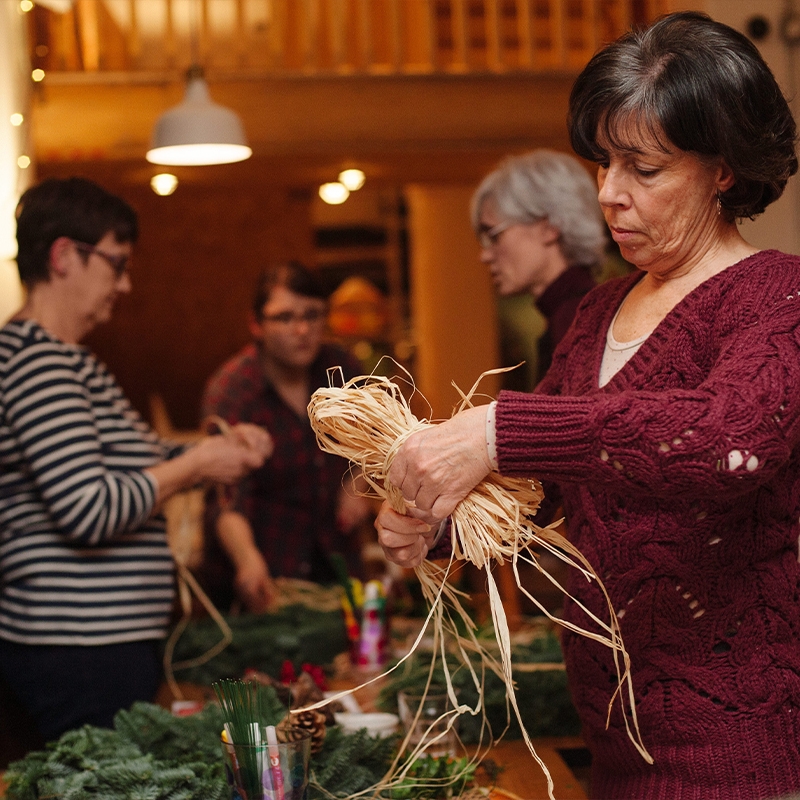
(542, 234)
(289, 516)
(86, 574)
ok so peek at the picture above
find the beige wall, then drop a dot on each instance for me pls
(452, 301)
(779, 226)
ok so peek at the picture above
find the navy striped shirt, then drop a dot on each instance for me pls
(83, 560)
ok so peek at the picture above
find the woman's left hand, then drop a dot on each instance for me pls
(404, 539)
(255, 437)
(437, 467)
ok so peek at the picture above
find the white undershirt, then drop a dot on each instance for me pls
(617, 354)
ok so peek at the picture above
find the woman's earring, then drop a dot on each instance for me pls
(719, 206)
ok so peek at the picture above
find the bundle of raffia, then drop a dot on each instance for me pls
(366, 420)
(181, 546)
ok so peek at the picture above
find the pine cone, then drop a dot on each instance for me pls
(305, 691)
(312, 720)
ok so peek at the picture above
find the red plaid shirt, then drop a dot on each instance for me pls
(291, 501)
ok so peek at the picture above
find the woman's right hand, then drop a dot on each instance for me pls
(224, 458)
(229, 457)
(405, 540)
(438, 466)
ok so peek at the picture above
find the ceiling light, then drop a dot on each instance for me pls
(198, 131)
(37, 75)
(164, 183)
(59, 6)
(23, 162)
(334, 193)
(16, 119)
(353, 179)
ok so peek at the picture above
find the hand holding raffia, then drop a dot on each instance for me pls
(366, 421)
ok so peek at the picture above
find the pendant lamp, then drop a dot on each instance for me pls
(198, 131)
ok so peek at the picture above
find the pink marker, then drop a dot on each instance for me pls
(275, 762)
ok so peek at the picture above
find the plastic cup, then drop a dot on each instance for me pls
(252, 776)
(430, 719)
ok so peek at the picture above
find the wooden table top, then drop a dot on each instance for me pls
(522, 776)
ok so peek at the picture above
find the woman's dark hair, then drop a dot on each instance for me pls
(700, 86)
(292, 275)
(73, 207)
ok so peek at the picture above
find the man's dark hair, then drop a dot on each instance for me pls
(292, 275)
(73, 207)
(700, 86)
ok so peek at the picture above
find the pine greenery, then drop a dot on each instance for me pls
(152, 755)
(294, 633)
(349, 763)
(543, 696)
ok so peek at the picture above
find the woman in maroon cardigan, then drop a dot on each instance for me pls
(669, 424)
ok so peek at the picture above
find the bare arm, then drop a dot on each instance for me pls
(253, 583)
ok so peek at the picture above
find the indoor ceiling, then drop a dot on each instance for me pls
(413, 89)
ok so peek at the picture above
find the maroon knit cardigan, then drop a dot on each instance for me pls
(681, 483)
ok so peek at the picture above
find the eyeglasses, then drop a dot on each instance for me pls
(488, 237)
(119, 263)
(312, 317)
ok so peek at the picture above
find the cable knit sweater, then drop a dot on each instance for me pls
(681, 483)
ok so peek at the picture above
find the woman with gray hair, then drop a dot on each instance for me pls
(541, 232)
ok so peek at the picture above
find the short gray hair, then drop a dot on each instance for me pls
(547, 185)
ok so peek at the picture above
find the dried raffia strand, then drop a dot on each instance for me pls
(366, 421)
(187, 584)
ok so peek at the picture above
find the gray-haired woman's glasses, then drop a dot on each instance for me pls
(488, 237)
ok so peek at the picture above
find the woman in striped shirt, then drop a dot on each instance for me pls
(86, 575)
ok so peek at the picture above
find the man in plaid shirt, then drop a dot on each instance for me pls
(286, 518)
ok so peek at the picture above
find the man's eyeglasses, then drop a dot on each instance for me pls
(488, 237)
(312, 317)
(119, 263)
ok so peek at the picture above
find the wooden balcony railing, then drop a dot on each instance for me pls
(240, 38)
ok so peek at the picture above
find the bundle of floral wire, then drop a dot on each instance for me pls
(249, 709)
(366, 420)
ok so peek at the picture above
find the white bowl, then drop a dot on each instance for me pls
(377, 723)
(347, 701)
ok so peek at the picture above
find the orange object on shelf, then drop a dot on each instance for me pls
(358, 309)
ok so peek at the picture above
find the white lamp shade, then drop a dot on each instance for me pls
(198, 131)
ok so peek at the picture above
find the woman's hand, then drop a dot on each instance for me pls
(254, 586)
(256, 438)
(228, 458)
(222, 459)
(436, 468)
(405, 540)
